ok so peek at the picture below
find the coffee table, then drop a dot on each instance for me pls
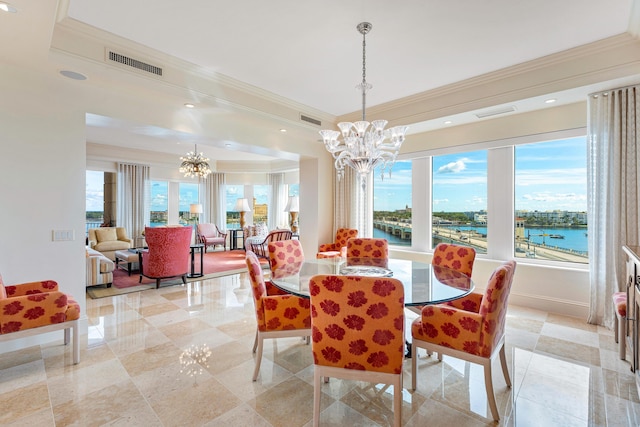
(128, 256)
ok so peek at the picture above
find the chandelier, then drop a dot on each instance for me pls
(195, 164)
(363, 147)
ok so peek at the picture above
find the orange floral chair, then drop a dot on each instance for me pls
(455, 257)
(168, 253)
(473, 330)
(35, 308)
(339, 247)
(367, 251)
(285, 257)
(358, 333)
(210, 235)
(278, 316)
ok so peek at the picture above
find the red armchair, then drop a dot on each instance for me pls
(38, 307)
(168, 253)
(210, 235)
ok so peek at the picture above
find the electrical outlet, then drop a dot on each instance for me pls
(63, 235)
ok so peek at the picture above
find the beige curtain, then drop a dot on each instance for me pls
(613, 194)
(214, 201)
(352, 207)
(133, 198)
(277, 201)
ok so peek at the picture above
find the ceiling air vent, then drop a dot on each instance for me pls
(509, 109)
(133, 63)
(310, 120)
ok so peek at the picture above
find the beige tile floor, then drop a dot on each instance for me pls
(136, 371)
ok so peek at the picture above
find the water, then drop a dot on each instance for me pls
(574, 238)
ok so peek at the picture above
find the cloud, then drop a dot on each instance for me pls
(439, 201)
(453, 167)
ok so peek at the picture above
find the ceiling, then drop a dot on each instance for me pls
(310, 52)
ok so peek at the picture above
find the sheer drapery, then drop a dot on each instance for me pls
(352, 204)
(278, 201)
(613, 194)
(215, 200)
(133, 198)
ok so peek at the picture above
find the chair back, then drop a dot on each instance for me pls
(278, 235)
(493, 308)
(344, 234)
(357, 322)
(285, 257)
(207, 230)
(455, 257)
(168, 253)
(368, 247)
(259, 291)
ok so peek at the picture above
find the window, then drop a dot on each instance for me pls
(551, 200)
(94, 204)
(189, 193)
(260, 204)
(459, 200)
(392, 205)
(159, 203)
(233, 193)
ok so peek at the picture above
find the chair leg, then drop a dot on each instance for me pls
(316, 397)
(621, 332)
(397, 402)
(258, 358)
(505, 368)
(414, 364)
(184, 279)
(255, 342)
(488, 383)
(615, 326)
(157, 283)
(67, 335)
(76, 344)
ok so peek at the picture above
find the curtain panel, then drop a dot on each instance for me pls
(278, 201)
(352, 204)
(133, 198)
(613, 194)
(215, 200)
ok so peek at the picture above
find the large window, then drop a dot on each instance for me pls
(159, 203)
(392, 205)
(459, 199)
(188, 194)
(233, 193)
(94, 205)
(551, 200)
(260, 203)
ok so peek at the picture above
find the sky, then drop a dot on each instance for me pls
(549, 176)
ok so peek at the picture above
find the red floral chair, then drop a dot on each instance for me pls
(285, 259)
(474, 332)
(35, 308)
(168, 253)
(261, 248)
(278, 316)
(368, 247)
(339, 247)
(358, 333)
(210, 235)
(455, 257)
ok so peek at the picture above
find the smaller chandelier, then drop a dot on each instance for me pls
(364, 147)
(195, 165)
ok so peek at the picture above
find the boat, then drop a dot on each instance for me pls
(556, 236)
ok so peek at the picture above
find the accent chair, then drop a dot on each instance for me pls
(168, 254)
(108, 240)
(261, 247)
(455, 257)
(339, 247)
(210, 235)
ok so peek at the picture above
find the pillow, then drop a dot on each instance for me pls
(106, 234)
(262, 229)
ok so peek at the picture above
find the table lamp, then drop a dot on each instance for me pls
(195, 208)
(242, 206)
(293, 207)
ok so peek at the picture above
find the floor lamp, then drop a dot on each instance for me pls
(242, 206)
(293, 207)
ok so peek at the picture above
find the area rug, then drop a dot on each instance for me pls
(215, 264)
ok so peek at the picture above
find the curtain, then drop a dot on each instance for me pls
(277, 216)
(214, 202)
(133, 198)
(351, 204)
(613, 194)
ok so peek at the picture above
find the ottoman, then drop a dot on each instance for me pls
(129, 257)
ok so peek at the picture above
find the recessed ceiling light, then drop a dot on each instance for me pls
(550, 101)
(227, 145)
(189, 105)
(73, 75)
(448, 122)
(6, 7)
(283, 130)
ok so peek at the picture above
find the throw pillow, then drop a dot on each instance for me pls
(262, 230)
(106, 234)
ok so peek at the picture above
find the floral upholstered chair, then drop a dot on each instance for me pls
(261, 247)
(285, 257)
(455, 257)
(339, 247)
(38, 307)
(357, 333)
(210, 235)
(474, 332)
(278, 316)
(168, 253)
(368, 251)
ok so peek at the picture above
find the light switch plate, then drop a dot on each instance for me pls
(63, 235)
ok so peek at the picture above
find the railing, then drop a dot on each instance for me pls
(91, 224)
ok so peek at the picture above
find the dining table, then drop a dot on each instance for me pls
(423, 283)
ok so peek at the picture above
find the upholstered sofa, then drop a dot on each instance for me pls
(34, 308)
(99, 269)
(108, 240)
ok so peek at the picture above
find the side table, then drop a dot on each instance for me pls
(236, 233)
(200, 249)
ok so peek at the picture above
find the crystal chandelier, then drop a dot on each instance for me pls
(195, 164)
(364, 147)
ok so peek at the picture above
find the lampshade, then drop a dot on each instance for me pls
(195, 208)
(242, 205)
(293, 205)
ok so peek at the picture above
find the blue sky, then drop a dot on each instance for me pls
(549, 176)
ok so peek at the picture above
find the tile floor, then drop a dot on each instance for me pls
(136, 371)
